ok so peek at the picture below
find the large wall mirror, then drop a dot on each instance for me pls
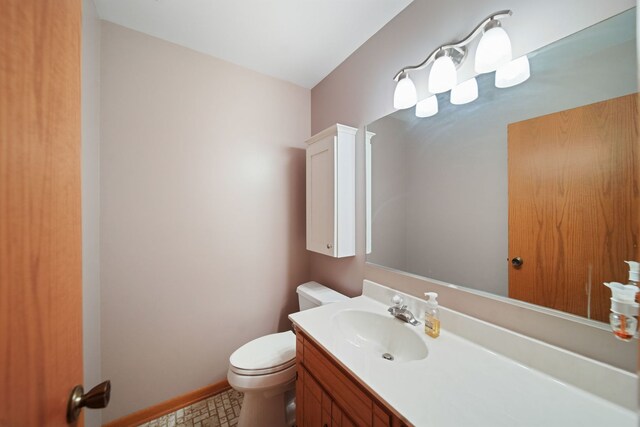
(529, 192)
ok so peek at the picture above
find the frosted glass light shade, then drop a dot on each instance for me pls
(443, 75)
(493, 50)
(513, 73)
(465, 92)
(427, 107)
(405, 95)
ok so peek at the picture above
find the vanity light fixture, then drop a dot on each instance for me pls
(493, 53)
(465, 92)
(494, 48)
(443, 75)
(405, 94)
(427, 107)
(513, 73)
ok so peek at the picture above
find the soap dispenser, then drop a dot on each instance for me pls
(634, 272)
(634, 276)
(432, 316)
(624, 310)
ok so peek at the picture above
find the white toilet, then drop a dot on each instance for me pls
(265, 368)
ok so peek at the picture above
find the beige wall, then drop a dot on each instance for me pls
(360, 91)
(203, 233)
(91, 201)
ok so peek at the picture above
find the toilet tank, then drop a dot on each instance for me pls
(313, 294)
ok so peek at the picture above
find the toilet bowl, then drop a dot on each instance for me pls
(265, 371)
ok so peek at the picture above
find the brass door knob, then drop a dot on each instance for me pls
(96, 398)
(517, 262)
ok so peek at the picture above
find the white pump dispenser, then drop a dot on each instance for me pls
(432, 301)
(634, 272)
(623, 299)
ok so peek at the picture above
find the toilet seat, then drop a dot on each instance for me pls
(276, 382)
(266, 371)
(266, 355)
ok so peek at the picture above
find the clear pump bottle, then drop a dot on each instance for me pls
(624, 327)
(432, 316)
(624, 310)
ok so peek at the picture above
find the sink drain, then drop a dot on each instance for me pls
(387, 356)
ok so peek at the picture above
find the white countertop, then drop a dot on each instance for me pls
(460, 383)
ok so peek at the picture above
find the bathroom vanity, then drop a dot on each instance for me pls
(358, 365)
(328, 395)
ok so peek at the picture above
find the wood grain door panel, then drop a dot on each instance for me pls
(40, 226)
(573, 205)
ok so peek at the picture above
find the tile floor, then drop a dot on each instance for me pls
(220, 410)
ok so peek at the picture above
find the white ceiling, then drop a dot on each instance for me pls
(300, 41)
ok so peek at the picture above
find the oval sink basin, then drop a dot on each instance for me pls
(382, 336)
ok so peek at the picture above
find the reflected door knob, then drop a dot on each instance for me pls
(517, 262)
(96, 398)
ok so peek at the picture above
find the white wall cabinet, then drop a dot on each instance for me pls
(331, 192)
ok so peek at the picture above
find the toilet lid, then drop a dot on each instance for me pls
(263, 355)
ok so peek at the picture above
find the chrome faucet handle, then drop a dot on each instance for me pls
(397, 300)
(413, 321)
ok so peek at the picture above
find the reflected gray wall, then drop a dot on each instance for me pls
(457, 205)
(455, 202)
(389, 195)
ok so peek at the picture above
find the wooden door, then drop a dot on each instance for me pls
(40, 227)
(573, 205)
(321, 207)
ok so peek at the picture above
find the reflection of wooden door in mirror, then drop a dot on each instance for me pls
(573, 205)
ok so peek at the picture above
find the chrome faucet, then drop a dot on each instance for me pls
(400, 311)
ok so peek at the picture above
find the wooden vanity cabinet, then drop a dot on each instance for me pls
(328, 396)
(319, 408)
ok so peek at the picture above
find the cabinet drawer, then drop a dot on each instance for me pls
(341, 388)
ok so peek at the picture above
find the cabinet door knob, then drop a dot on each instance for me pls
(329, 246)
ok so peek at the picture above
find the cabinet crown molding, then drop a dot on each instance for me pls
(332, 130)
